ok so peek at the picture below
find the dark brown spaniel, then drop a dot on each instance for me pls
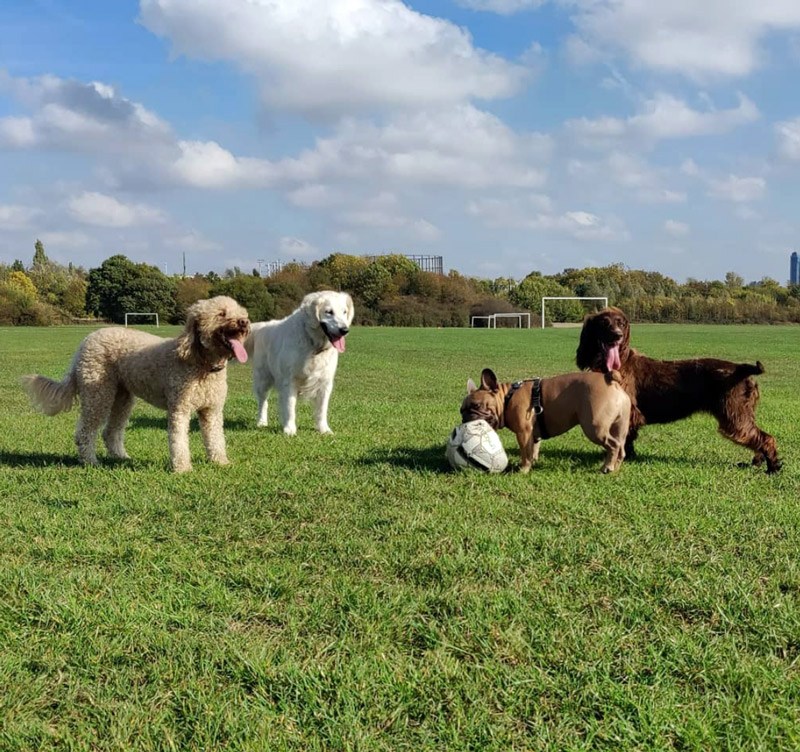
(666, 390)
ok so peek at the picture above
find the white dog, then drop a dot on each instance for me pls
(298, 355)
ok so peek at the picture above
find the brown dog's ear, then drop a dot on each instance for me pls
(488, 380)
(587, 344)
(471, 386)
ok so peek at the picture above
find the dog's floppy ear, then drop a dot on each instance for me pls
(314, 303)
(587, 344)
(350, 310)
(488, 380)
(190, 339)
(583, 355)
(471, 386)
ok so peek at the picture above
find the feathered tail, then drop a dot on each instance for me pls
(743, 370)
(51, 397)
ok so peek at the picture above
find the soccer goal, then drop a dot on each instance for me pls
(491, 319)
(133, 313)
(554, 297)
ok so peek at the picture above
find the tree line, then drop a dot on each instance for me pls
(387, 290)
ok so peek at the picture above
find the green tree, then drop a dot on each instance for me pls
(529, 293)
(119, 286)
(249, 291)
(39, 256)
(733, 282)
(344, 270)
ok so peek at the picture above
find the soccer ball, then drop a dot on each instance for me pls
(476, 444)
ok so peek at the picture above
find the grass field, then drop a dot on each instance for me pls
(347, 592)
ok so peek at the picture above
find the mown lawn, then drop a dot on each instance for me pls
(348, 592)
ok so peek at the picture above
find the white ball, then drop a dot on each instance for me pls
(476, 444)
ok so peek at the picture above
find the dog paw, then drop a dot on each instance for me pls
(290, 430)
(262, 424)
(324, 430)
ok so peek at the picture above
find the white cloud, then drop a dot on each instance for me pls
(663, 117)
(77, 116)
(644, 182)
(689, 167)
(503, 7)
(676, 229)
(205, 164)
(384, 211)
(536, 212)
(17, 132)
(337, 56)
(18, 217)
(740, 190)
(296, 248)
(788, 134)
(460, 147)
(192, 241)
(696, 39)
(64, 239)
(106, 211)
(513, 212)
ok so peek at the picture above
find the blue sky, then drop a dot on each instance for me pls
(505, 135)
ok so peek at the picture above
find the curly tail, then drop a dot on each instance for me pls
(51, 397)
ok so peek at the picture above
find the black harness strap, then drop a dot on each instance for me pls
(536, 407)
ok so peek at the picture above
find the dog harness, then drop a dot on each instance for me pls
(536, 407)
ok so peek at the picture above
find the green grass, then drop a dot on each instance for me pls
(347, 592)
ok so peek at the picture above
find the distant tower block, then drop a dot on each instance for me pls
(433, 264)
(794, 269)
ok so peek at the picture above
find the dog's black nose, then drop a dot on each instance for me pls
(242, 323)
(343, 330)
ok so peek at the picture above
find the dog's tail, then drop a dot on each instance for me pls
(613, 376)
(51, 397)
(743, 370)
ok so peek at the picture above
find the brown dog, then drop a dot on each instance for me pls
(663, 391)
(594, 401)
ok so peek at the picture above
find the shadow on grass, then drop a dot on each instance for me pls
(414, 458)
(591, 456)
(432, 458)
(160, 422)
(43, 459)
(48, 459)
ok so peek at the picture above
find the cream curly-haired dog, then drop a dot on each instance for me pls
(115, 365)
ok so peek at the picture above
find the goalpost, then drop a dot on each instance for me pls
(556, 297)
(492, 319)
(134, 313)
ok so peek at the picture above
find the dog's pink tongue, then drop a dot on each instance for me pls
(338, 343)
(612, 358)
(238, 350)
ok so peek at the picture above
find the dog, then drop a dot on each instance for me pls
(114, 365)
(594, 401)
(298, 355)
(663, 391)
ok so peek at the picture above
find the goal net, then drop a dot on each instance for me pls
(546, 298)
(518, 320)
(152, 315)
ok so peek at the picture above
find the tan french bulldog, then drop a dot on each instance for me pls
(537, 409)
